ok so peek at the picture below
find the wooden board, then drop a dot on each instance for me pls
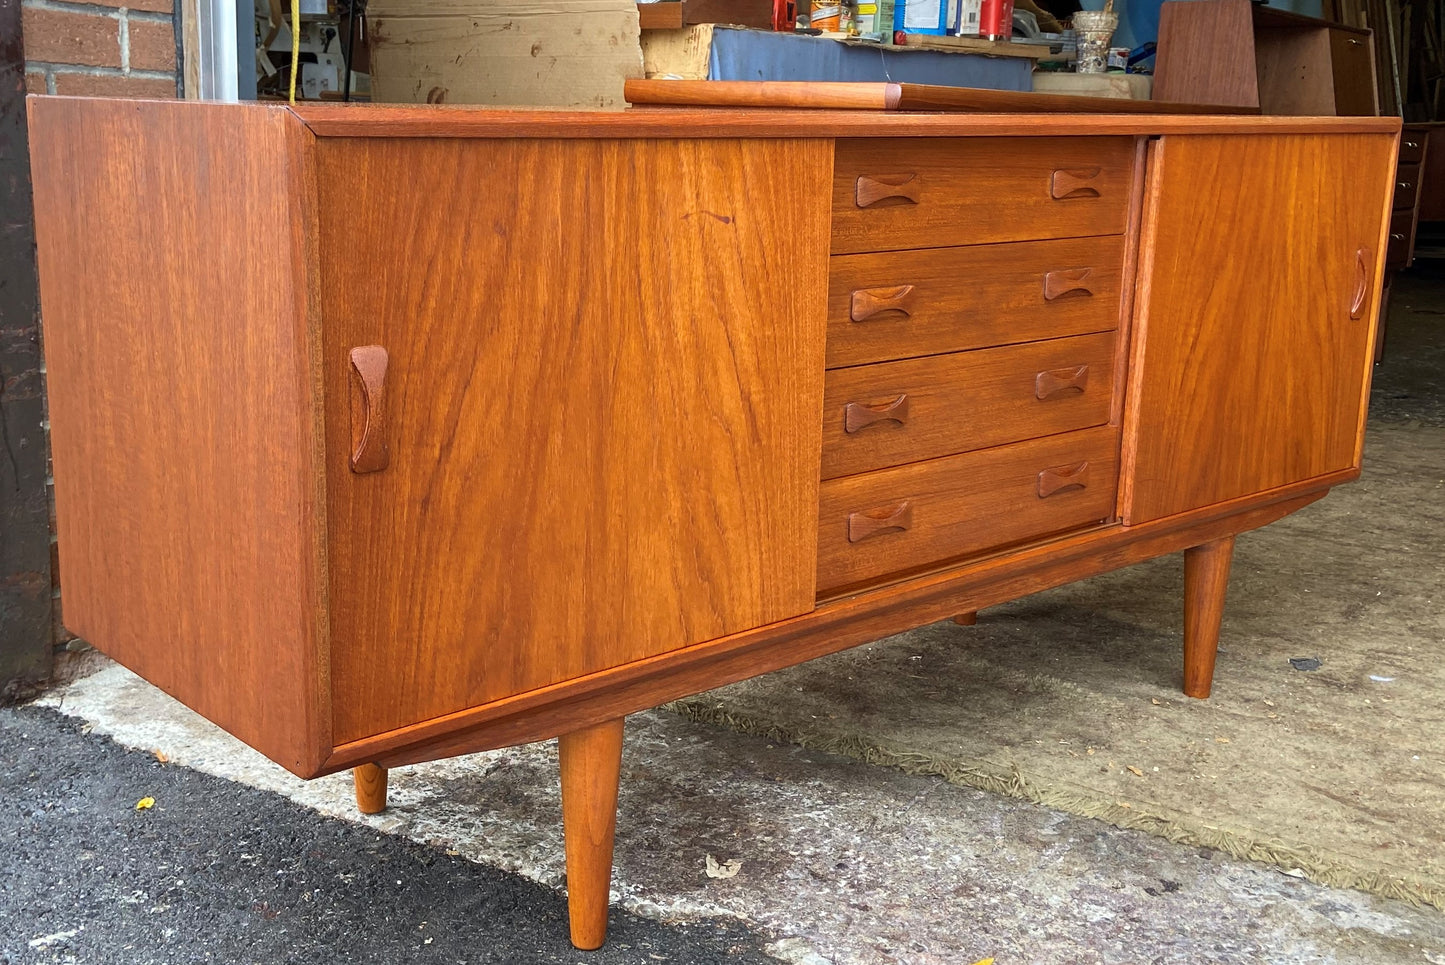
(567, 53)
(606, 364)
(894, 97)
(1206, 53)
(1265, 386)
(977, 45)
(665, 15)
(183, 404)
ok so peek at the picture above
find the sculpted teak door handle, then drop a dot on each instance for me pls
(873, 188)
(867, 302)
(369, 449)
(1078, 183)
(1057, 381)
(857, 415)
(1362, 283)
(1060, 478)
(876, 521)
(1057, 283)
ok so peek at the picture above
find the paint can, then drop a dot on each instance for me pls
(827, 17)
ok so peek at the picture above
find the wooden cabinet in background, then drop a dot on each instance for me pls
(1243, 54)
(384, 435)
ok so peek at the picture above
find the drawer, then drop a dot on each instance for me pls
(1412, 145)
(896, 521)
(1398, 246)
(903, 304)
(1407, 187)
(895, 412)
(896, 193)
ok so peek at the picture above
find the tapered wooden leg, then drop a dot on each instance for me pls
(591, 762)
(966, 619)
(370, 780)
(1206, 577)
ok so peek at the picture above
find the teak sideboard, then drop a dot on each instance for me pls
(383, 435)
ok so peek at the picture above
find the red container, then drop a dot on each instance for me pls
(996, 19)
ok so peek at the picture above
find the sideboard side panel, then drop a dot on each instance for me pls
(1249, 372)
(176, 255)
(604, 398)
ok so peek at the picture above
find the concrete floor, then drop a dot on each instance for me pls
(842, 862)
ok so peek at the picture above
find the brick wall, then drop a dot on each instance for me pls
(100, 49)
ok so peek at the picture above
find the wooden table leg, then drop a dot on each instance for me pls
(966, 619)
(1206, 577)
(370, 780)
(591, 762)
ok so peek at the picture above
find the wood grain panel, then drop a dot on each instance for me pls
(950, 508)
(966, 191)
(1010, 393)
(1249, 373)
(971, 297)
(604, 391)
(184, 404)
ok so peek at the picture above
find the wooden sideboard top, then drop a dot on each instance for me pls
(339, 120)
(362, 120)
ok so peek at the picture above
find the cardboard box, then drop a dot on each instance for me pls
(563, 53)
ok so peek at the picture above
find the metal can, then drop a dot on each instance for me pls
(827, 16)
(996, 19)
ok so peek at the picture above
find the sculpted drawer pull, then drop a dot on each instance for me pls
(876, 521)
(1057, 283)
(873, 188)
(369, 451)
(857, 416)
(1056, 382)
(1078, 183)
(1362, 282)
(1062, 478)
(868, 302)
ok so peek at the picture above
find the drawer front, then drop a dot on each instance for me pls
(896, 193)
(904, 304)
(1398, 247)
(891, 413)
(1407, 187)
(890, 523)
(1412, 145)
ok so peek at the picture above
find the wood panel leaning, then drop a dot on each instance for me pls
(383, 435)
